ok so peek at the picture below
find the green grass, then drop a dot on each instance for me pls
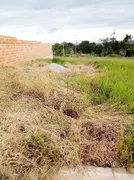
(54, 60)
(78, 61)
(58, 61)
(116, 85)
(80, 82)
(92, 60)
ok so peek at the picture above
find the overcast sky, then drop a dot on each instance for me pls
(66, 20)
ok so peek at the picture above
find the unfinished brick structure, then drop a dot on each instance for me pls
(14, 50)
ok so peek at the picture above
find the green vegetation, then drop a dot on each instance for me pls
(110, 47)
(58, 61)
(54, 60)
(80, 82)
(116, 84)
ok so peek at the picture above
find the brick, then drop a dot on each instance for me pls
(13, 50)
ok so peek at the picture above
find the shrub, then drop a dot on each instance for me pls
(58, 61)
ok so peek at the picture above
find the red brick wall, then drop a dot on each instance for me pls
(13, 50)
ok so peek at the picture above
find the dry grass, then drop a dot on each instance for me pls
(46, 123)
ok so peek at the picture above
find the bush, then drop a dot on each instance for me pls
(58, 61)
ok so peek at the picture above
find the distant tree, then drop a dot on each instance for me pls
(92, 47)
(98, 49)
(127, 45)
(58, 49)
(127, 38)
(109, 46)
(106, 46)
(84, 47)
(69, 48)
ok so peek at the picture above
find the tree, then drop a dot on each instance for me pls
(127, 38)
(98, 49)
(57, 49)
(109, 46)
(92, 47)
(69, 48)
(127, 45)
(84, 47)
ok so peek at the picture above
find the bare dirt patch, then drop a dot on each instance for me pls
(71, 113)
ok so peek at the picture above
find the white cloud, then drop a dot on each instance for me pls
(61, 20)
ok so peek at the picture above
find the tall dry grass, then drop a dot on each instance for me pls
(47, 123)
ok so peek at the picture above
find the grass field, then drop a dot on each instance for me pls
(116, 85)
(52, 120)
(117, 82)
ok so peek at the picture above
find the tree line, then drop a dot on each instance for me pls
(109, 46)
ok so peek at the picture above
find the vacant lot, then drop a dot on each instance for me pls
(81, 117)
